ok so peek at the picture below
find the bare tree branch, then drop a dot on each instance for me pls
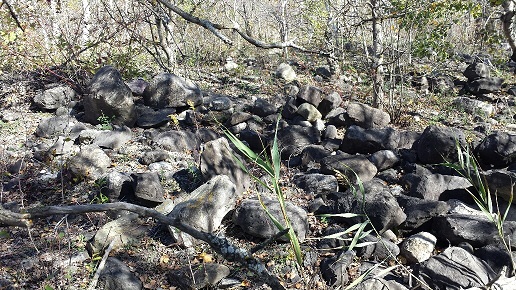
(13, 14)
(216, 28)
(219, 244)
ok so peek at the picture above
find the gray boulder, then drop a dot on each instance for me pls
(430, 186)
(366, 116)
(419, 211)
(329, 102)
(484, 86)
(263, 108)
(293, 139)
(170, 90)
(309, 112)
(379, 283)
(347, 166)
(419, 247)
(381, 249)
(90, 163)
(113, 139)
(218, 158)
(384, 159)
(148, 190)
(475, 107)
(137, 86)
(55, 126)
(311, 95)
(497, 150)
(455, 268)
(286, 72)
(367, 141)
(109, 97)
(377, 202)
(117, 185)
(177, 141)
(53, 98)
(476, 70)
(316, 183)
(154, 156)
(334, 270)
(205, 275)
(124, 230)
(474, 229)
(501, 182)
(439, 144)
(207, 206)
(117, 276)
(150, 118)
(253, 220)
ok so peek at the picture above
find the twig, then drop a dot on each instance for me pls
(102, 263)
(220, 244)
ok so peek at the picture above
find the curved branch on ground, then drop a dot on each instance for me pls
(219, 244)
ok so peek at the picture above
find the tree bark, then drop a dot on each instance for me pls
(377, 55)
(508, 25)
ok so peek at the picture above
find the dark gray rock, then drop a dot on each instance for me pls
(53, 98)
(455, 268)
(311, 95)
(312, 154)
(475, 107)
(497, 150)
(407, 139)
(329, 103)
(439, 144)
(137, 86)
(336, 117)
(118, 185)
(367, 141)
(219, 103)
(55, 126)
(419, 247)
(109, 97)
(384, 159)
(484, 86)
(117, 276)
(419, 211)
(381, 248)
(253, 220)
(113, 139)
(422, 183)
(289, 109)
(335, 270)
(150, 118)
(154, 156)
(256, 141)
(239, 117)
(475, 71)
(218, 158)
(348, 166)
(263, 108)
(377, 202)
(366, 116)
(90, 163)
(330, 132)
(497, 257)
(148, 190)
(316, 183)
(501, 182)
(170, 90)
(324, 72)
(205, 275)
(380, 283)
(475, 229)
(293, 139)
(178, 141)
(309, 112)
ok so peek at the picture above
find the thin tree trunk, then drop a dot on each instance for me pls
(508, 25)
(378, 67)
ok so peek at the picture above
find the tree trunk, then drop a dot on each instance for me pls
(508, 25)
(377, 56)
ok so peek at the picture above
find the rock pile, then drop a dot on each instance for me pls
(406, 190)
